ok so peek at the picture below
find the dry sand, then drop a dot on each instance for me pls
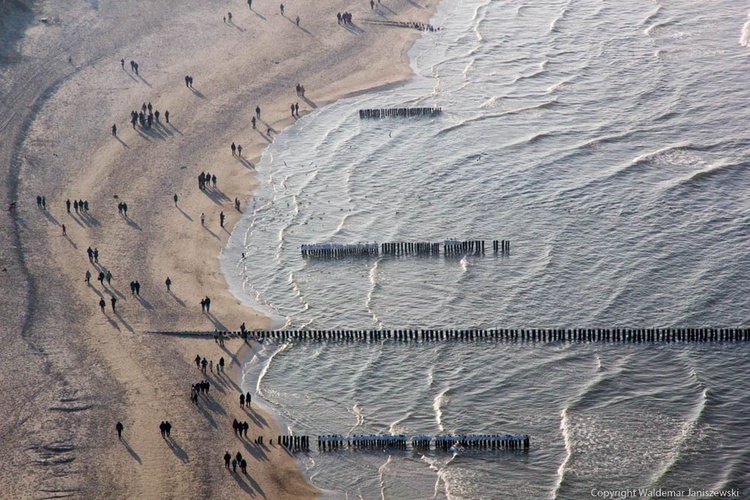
(70, 372)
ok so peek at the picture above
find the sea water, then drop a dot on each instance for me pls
(608, 142)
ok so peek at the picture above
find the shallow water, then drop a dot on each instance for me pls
(608, 144)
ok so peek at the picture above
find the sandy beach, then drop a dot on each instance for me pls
(71, 371)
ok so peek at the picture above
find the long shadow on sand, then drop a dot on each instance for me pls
(144, 81)
(217, 324)
(245, 163)
(132, 223)
(298, 26)
(125, 144)
(212, 233)
(216, 195)
(256, 418)
(353, 28)
(250, 486)
(231, 23)
(177, 450)
(145, 303)
(198, 93)
(132, 452)
(50, 217)
(71, 242)
(185, 214)
(125, 323)
(177, 299)
(253, 449)
(310, 103)
(175, 129)
(258, 14)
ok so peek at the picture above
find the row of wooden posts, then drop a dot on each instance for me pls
(398, 112)
(447, 248)
(444, 442)
(612, 335)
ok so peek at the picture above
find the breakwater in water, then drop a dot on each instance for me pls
(398, 112)
(447, 248)
(444, 442)
(611, 335)
(622, 335)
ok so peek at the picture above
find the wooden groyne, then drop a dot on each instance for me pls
(294, 443)
(333, 442)
(402, 24)
(602, 335)
(398, 112)
(541, 335)
(448, 248)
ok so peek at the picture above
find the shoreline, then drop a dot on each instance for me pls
(109, 370)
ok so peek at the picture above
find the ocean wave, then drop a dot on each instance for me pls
(745, 33)
(713, 170)
(565, 431)
(437, 406)
(658, 26)
(556, 21)
(651, 15)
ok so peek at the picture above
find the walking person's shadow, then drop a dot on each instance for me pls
(132, 452)
(177, 450)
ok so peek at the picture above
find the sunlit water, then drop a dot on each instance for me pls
(607, 141)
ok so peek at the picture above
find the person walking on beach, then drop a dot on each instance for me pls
(109, 277)
(239, 149)
(229, 16)
(243, 466)
(63, 230)
(221, 220)
(227, 459)
(203, 219)
(234, 149)
(101, 277)
(253, 122)
(175, 199)
(119, 427)
(113, 300)
(221, 363)
(114, 130)
(204, 364)
(297, 20)
(122, 63)
(250, 4)
(166, 116)
(208, 305)
(203, 305)
(234, 466)
(247, 399)
(163, 428)
(167, 427)
(245, 427)
(242, 400)
(96, 255)
(88, 277)
(281, 7)
(168, 282)
(102, 304)
(257, 112)
(296, 108)
(67, 205)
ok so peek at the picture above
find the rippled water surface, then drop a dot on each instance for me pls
(607, 141)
